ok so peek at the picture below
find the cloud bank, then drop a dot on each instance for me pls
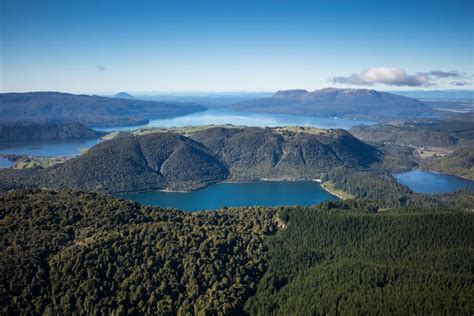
(393, 76)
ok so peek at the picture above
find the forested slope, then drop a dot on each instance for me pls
(84, 253)
(74, 252)
(172, 161)
(459, 162)
(447, 133)
(254, 153)
(347, 259)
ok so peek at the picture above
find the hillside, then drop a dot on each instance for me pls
(14, 132)
(449, 133)
(254, 153)
(172, 161)
(75, 252)
(337, 102)
(459, 162)
(344, 259)
(55, 107)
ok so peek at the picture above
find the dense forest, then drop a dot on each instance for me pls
(344, 258)
(173, 161)
(74, 252)
(56, 107)
(15, 132)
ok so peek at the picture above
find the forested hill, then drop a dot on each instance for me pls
(253, 153)
(337, 102)
(74, 252)
(55, 107)
(83, 253)
(449, 133)
(459, 162)
(173, 161)
(13, 132)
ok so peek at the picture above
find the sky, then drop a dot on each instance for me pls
(218, 46)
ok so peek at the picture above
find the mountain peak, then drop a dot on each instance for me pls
(124, 95)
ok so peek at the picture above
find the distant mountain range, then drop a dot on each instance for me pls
(209, 99)
(56, 107)
(337, 102)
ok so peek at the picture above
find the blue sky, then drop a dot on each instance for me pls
(139, 46)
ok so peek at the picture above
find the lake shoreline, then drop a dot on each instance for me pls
(234, 194)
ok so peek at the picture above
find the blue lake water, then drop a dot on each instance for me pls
(48, 149)
(430, 183)
(264, 193)
(224, 116)
(5, 163)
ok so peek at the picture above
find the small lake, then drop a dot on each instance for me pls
(430, 182)
(5, 163)
(264, 193)
(48, 149)
(225, 116)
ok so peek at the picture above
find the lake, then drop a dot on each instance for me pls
(48, 149)
(430, 182)
(5, 163)
(225, 116)
(264, 193)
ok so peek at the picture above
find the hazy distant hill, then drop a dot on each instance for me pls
(12, 132)
(337, 102)
(172, 161)
(54, 107)
(124, 95)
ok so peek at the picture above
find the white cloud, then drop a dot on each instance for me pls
(393, 76)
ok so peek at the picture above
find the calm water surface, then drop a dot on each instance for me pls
(5, 163)
(224, 116)
(431, 183)
(265, 193)
(48, 149)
